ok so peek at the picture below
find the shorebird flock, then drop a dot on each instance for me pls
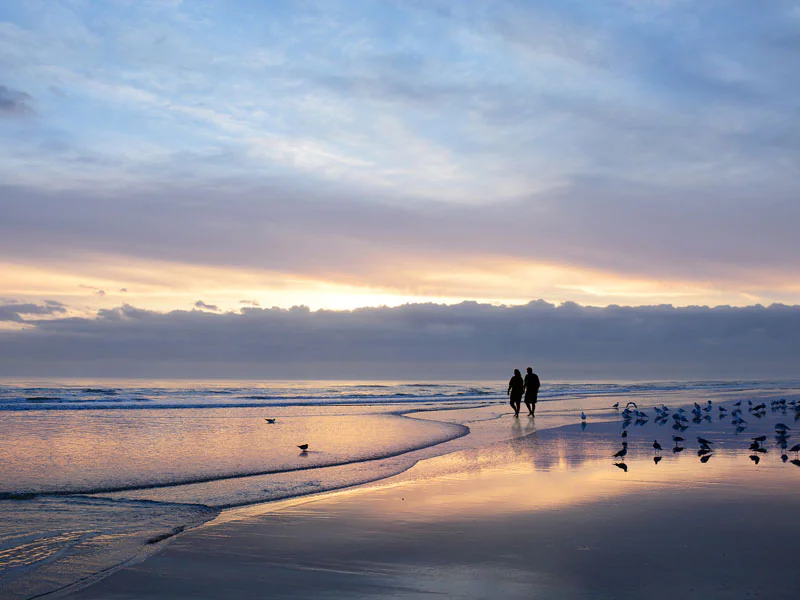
(683, 419)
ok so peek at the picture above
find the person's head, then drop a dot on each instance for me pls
(517, 373)
(530, 369)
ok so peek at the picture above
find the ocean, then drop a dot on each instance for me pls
(97, 474)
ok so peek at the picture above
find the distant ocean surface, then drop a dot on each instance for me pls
(153, 395)
(93, 474)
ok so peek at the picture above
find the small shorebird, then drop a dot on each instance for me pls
(623, 452)
(703, 441)
(615, 405)
(303, 447)
(583, 416)
(677, 438)
(795, 448)
(656, 446)
(624, 433)
(270, 421)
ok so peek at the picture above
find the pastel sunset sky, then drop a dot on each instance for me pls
(215, 156)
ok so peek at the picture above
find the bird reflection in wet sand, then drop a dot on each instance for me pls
(758, 446)
(621, 453)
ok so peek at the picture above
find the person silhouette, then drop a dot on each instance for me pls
(515, 388)
(531, 387)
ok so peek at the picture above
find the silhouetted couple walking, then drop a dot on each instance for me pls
(528, 387)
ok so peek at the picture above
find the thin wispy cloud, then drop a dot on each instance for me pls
(15, 103)
(204, 306)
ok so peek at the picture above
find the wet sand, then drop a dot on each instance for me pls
(544, 516)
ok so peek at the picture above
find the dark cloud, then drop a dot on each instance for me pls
(416, 341)
(203, 305)
(15, 311)
(14, 102)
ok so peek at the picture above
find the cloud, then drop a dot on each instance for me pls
(411, 145)
(15, 311)
(250, 302)
(97, 291)
(417, 341)
(203, 305)
(732, 237)
(14, 102)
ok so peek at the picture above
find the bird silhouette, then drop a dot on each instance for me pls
(622, 466)
(615, 405)
(677, 438)
(583, 416)
(795, 448)
(303, 447)
(703, 441)
(624, 433)
(755, 458)
(677, 449)
(621, 453)
(795, 462)
(657, 459)
(270, 421)
(706, 458)
(656, 446)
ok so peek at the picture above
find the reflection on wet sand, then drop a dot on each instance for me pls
(704, 422)
(549, 515)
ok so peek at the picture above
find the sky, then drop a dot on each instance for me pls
(171, 158)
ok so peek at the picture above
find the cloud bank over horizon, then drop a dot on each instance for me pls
(417, 341)
(343, 154)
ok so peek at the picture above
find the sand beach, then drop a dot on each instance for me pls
(548, 514)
